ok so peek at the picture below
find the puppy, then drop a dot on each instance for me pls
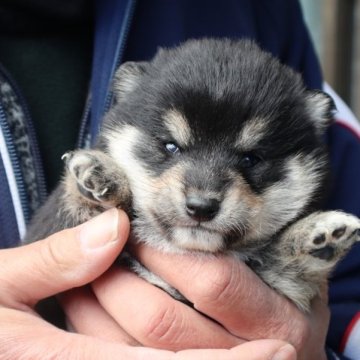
(213, 146)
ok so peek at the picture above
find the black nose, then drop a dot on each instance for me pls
(201, 208)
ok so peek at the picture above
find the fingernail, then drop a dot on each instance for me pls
(287, 352)
(100, 231)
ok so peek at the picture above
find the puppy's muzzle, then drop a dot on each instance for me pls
(201, 208)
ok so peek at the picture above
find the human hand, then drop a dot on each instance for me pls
(88, 317)
(222, 288)
(227, 291)
(68, 259)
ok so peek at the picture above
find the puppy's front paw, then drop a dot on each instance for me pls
(333, 233)
(95, 181)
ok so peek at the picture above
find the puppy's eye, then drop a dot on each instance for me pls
(249, 160)
(172, 148)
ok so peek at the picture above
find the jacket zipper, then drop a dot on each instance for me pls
(35, 152)
(84, 124)
(123, 36)
(15, 166)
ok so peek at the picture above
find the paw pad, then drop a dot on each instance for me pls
(357, 233)
(319, 239)
(325, 253)
(333, 233)
(337, 233)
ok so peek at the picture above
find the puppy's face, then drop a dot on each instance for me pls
(221, 144)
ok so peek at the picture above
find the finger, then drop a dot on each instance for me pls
(153, 317)
(87, 317)
(226, 290)
(67, 259)
(25, 336)
(319, 324)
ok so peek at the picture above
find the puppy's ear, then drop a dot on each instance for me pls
(321, 108)
(127, 78)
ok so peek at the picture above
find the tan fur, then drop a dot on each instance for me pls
(178, 127)
(253, 131)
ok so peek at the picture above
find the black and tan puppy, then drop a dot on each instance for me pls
(214, 146)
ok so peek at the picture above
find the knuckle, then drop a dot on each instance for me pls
(215, 286)
(301, 335)
(53, 256)
(294, 328)
(164, 325)
(77, 348)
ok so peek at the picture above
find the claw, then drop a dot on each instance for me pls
(65, 156)
(104, 191)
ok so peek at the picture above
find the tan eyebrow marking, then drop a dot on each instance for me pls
(252, 132)
(178, 127)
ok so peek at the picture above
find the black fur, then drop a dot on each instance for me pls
(218, 90)
(245, 176)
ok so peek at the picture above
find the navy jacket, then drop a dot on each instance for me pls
(133, 30)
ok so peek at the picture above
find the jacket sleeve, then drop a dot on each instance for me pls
(344, 296)
(331, 355)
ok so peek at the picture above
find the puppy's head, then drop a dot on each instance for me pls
(221, 143)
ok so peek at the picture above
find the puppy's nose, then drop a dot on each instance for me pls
(201, 208)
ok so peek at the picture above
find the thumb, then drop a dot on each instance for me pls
(253, 350)
(264, 350)
(67, 259)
